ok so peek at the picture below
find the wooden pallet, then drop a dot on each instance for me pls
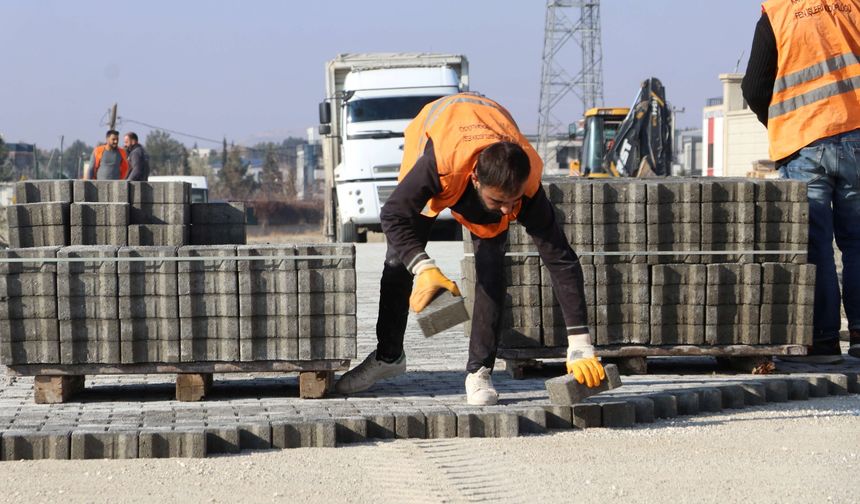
(632, 359)
(58, 383)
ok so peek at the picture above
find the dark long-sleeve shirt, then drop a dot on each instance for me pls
(758, 81)
(537, 214)
(138, 164)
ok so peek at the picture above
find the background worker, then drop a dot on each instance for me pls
(108, 161)
(802, 83)
(138, 159)
(465, 152)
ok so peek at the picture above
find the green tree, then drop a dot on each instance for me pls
(167, 156)
(74, 157)
(271, 178)
(233, 179)
(7, 174)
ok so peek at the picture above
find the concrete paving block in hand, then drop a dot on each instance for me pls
(27, 445)
(532, 421)
(410, 425)
(441, 424)
(99, 445)
(586, 415)
(255, 436)
(351, 429)
(565, 390)
(222, 440)
(168, 443)
(444, 312)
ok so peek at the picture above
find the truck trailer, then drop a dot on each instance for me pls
(370, 99)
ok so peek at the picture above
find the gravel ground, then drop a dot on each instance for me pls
(792, 452)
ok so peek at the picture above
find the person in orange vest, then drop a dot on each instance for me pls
(803, 83)
(108, 161)
(465, 153)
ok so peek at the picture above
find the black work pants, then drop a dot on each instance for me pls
(396, 286)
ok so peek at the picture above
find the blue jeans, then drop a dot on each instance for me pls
(831, 166)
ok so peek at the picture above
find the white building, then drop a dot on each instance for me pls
(733, 137)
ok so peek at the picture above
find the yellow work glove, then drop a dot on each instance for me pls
(428, 282)
(581, 362)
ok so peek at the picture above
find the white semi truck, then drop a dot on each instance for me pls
(370, 98)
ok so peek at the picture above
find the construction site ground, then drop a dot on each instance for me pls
(757, 451)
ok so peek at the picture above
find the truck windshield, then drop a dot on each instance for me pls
(386, 109)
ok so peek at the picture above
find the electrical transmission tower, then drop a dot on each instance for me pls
(556, 82)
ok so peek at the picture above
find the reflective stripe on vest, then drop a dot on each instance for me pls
(817, 90)
(461, 126)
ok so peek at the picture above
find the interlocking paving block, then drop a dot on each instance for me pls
(351, 429)
(28, 307)
(16, 285)
(733, 396)
(160, 213)
(565, 390)
(159, 235)
(476, 425)
(218, 213)
(98, 445)
(301, 433)
(37, 191)
(618, 414)
(409, 425)
(586, 415)
(441, 424)
(532, 421)
(643, 406)
(27, 352)
(755, 394)
(37, 214)
(665, 405)
(208, 305)
(87, 307)
(94, 252)
(444, 312)
(92, 214)
(103, 191)
(167, 443)
(380, 425)
(837, 384)
(687, 402)
(776, 390)
(798, 389)
(27, 445)
(222, 440)
(853, 382)
(818, 386)
(256, 436)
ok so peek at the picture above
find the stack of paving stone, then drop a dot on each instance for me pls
(326, 301)
(208, 304)
(728, 219)
(87, 305)
(732, 304)
(28, 307)
(160, 213)
(148, 305)
(521, 314)
(694, 298)
(99, 223)
(38, 224)
(218, 223)
(622, 301)
(674, 212)
(781, 219)
(787, 298)
(268, 303)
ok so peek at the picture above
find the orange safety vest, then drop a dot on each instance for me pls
(123, 164)
(817, 89)
(461, 126)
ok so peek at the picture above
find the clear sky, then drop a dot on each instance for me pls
(254, 70)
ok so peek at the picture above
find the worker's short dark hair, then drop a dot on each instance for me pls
(111, 132)
(503, 165)
(132, 136)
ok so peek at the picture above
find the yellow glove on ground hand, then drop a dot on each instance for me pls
(428, 283)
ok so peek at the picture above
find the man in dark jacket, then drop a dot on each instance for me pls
(138, 159)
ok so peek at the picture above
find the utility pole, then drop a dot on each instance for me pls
(113, 117)
(60, 169)
(556, 82)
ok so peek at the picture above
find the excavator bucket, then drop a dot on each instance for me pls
(643, 145)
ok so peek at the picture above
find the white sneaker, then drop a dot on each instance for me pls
(363, 376)
(479, 388)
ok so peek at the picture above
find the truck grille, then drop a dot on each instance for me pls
(386, 169)
(383, 193)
